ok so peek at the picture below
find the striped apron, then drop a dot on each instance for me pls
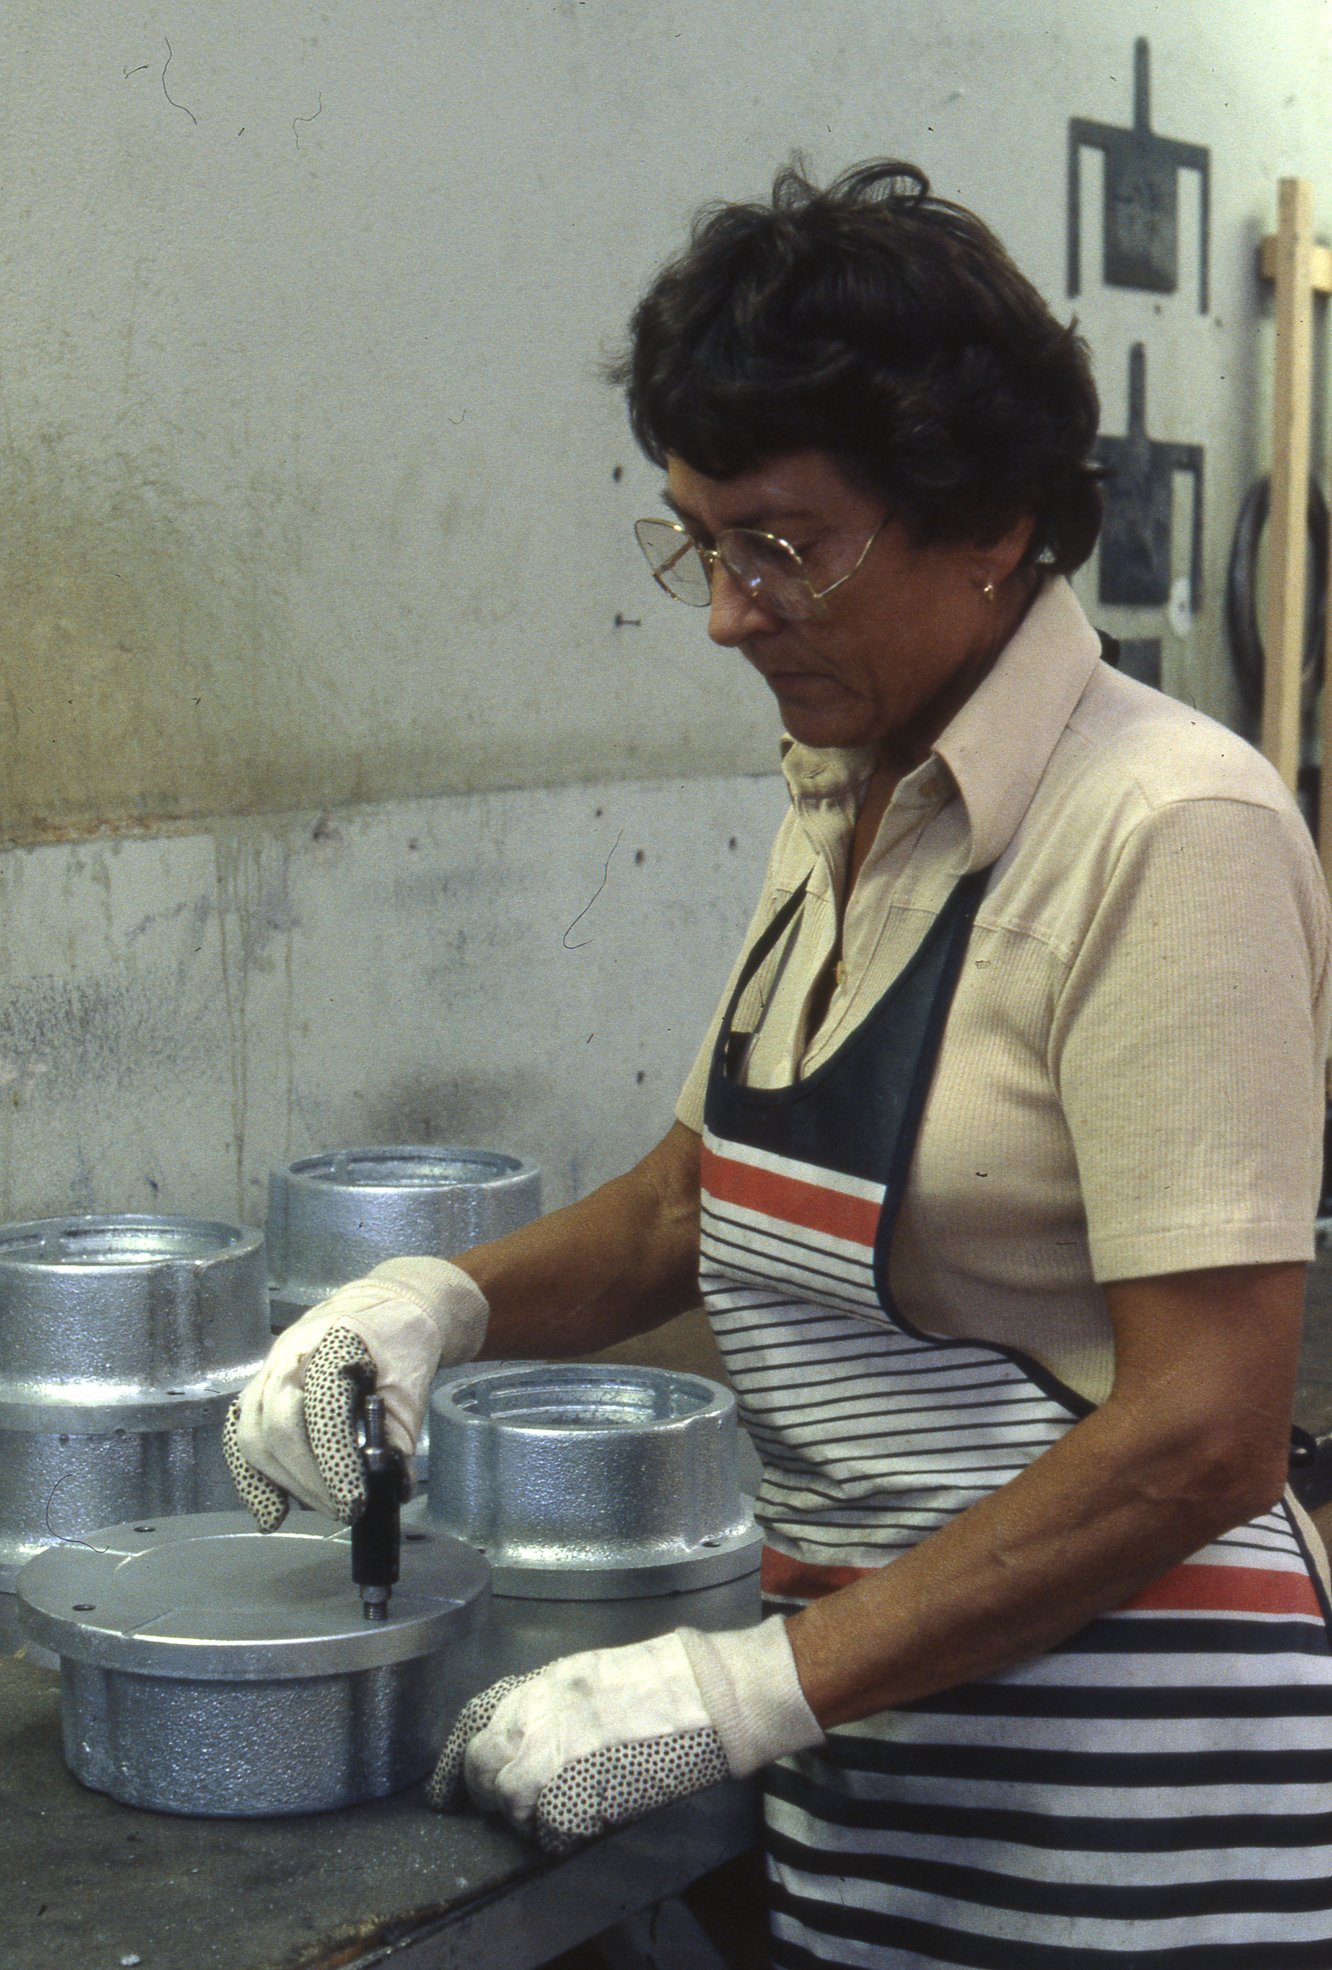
(1157, 1790)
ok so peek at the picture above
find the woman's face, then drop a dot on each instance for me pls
(895, 651)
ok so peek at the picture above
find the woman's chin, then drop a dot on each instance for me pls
(823, 725)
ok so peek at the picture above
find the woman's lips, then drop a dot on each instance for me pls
(789, 683)
(787, 676)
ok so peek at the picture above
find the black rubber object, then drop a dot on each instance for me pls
(1246, 643)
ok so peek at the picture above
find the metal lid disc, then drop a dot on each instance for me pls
(206, 1596)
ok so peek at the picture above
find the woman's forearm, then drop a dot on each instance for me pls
(620, 1261)
(1192, 1442)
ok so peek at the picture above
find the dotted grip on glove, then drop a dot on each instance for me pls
(338, 1371)
(590, 1796)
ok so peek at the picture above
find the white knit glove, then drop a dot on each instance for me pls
(291, 1433)
(597, 1739)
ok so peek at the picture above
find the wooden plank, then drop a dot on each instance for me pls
(1320, 272)
(1325, 776)
(1291, 409)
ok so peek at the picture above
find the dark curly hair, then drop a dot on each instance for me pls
(887, 327)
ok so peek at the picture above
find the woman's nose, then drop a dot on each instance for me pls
(735, 615)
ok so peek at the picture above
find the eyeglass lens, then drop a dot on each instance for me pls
(763, 565)
(766, 566)
(674, 559)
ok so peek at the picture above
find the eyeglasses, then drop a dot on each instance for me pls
(766, 567)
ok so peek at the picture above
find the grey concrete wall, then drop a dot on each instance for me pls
(316, 544)
(527, 972)
(310, 483)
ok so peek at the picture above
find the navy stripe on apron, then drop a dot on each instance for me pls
(1154, 1792)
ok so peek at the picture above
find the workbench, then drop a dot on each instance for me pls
(88, 1884)
(93, 1885)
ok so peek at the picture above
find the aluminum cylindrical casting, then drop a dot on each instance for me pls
(122, 1341)
(605, 1498)
(333, 1217)
(210, 1668)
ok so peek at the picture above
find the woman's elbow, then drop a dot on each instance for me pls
(1238, 1473)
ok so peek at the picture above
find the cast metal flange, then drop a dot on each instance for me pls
(210, 1668)
(335, 1216)
(122, 1341)
(590, 1481)
(605, 1497)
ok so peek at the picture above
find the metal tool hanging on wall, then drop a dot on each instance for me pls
(1140, 241)
(1140, 228)
(1140, 474)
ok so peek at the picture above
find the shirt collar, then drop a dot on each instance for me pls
(832, 773)
(998, 745)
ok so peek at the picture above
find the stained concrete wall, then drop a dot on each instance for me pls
(527, 972)
(316, 529)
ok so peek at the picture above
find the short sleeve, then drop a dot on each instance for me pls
(1189, 1043)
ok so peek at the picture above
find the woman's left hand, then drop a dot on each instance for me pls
(594, 1740)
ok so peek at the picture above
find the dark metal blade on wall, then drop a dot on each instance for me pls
(1139, 497)
(1140, 228)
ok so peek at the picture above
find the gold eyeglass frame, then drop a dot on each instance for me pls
(751, 584)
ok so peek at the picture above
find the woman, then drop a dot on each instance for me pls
(996, 1170)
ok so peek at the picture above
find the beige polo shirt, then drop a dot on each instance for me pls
(1131, 1078)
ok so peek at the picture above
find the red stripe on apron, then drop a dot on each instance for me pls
(789, 1198)
(1184, 1590)
(1229, 1589)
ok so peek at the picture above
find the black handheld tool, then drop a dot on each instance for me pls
(376, 1535)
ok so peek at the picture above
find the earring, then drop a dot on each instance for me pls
(988, 591)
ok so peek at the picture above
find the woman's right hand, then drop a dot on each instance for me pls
(291, 1433)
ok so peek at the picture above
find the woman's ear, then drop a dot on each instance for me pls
(996, 560)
